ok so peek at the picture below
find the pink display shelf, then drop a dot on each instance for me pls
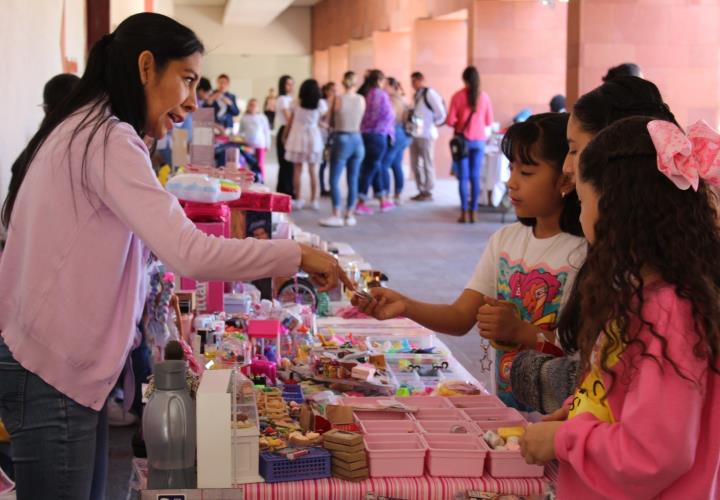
(492, 418)
(455, 455)
(463, 402)
(511, 464)
(363, 416)
(425, 402)
(395, 455)
(446, 427)
(439, 414)
(388, 427)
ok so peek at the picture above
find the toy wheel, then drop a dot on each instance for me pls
(298, 291)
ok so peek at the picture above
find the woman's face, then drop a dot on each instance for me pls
(289, 86)
(577, 140)
(589, 199)
(170, 93)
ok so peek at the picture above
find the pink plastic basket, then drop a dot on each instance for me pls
(446, 426)
(395, 455)
(363, 416)
(388, 427)
(492, 418)
(425, 402)
(463, 402)
(455, 455)
(439, 414)
(511, 464)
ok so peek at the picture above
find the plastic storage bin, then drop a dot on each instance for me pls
(361, 401)
(363, 416)
(463, 402)
(446, 426)
(439, 414)
(511, 464)
(293, 392)
(455, 455)
(395, 455)
(277, 469)
(388, 427)
(425, 402)
(492, 418)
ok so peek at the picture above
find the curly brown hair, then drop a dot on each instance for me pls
(645, 224)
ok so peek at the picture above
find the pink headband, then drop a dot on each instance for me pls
(687, 159)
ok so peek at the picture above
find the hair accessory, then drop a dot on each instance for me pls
(687, 159)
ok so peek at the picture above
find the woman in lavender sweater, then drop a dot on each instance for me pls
(83, 213)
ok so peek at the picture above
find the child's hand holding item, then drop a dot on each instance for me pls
(385, 303)
(500, 321)
(538, 443)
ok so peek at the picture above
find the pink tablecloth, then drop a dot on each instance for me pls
(417, 488)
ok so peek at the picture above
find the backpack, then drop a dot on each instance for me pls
(414, 123)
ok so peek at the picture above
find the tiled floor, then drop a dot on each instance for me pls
(419, 246)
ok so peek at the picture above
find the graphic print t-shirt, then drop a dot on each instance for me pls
(534, 274)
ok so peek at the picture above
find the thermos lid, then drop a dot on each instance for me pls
(170, 375)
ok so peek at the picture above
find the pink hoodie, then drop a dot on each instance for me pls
(72, 277)
(657, 435)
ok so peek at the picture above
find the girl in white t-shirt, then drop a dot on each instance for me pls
(519, 285)
(255, 128)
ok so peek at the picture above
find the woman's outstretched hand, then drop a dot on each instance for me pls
(323, 268)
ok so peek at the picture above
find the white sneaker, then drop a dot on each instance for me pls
(398, 200)
(332, 222)
(298, 204)
(350, 221)
(315, 205)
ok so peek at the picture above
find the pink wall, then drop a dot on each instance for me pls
(361, 55)
(519, 49)
(676, 42)
(338, 62)
(439, 51)
(392, 55)
(321, 66)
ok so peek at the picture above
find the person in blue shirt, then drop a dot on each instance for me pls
(224, 102)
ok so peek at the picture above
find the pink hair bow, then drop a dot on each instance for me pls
(687, 159)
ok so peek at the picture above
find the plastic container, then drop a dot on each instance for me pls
(410, 380)
(439, 414)
(492, 418)
(395, 455)
(293, 392)
(426, 402)
(388, 427)
(370, 401)
(463, 402)
(169, 428)
(455, 455)
(277, 469)
(363, 416)
(446, 427)
(511, 464)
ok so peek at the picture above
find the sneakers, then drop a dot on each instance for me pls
(315, 205)
(350, 221)
(117, 417)
(363, 209)
(386, 206)
(423, 197)
(398, 200)
(333, 222)
(298, 204)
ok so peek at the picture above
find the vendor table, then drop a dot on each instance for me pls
(409, 488)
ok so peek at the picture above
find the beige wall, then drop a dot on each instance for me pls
(254, 58)
(30, 31)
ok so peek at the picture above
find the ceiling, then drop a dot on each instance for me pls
(249, 12)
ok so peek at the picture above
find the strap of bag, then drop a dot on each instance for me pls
(467, 123)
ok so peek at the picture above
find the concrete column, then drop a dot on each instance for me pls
(338, 62)
(360, 55)
(676, 43)
(391, 52)
(321, 66)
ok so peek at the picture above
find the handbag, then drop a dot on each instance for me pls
(458, 144)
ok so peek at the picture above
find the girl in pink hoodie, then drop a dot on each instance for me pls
(643, 422)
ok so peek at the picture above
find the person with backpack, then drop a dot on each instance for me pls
(427, 113)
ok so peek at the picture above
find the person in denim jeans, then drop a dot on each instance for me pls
(347, 149)
(378, 129)
(470, 114)
(394, 155)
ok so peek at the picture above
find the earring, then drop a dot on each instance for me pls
(563, 194)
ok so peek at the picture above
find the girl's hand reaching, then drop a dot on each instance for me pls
(538, 443)
(385, 304)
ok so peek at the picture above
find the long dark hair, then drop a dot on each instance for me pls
(110, 86)
(374, 78)
(544, 135)
(309, 94)
(472, 78)
(645, 223)
(624, 69)
(282, 83)
(614, 100)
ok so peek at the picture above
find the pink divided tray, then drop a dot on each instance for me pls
(463, 402)
(492, 418)
(446, 426)
(395, 455)
(455, 455)
(388, 426)
(425, 402)
(350, 401)
(511, 464)
(363, 416)
(439, 414)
